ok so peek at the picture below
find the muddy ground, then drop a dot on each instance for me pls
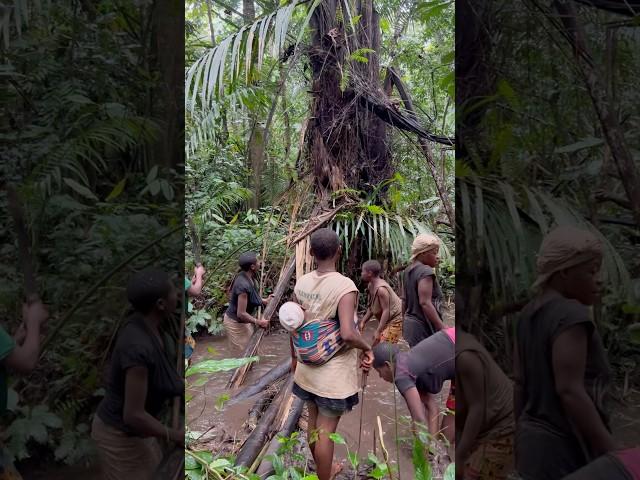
(224, 430)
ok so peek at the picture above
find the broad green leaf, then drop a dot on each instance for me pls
(81, 189)
(76, 98)
(219, 463)
(215, 366)
(353, 459)
(153, 173)
(450, 472)
(337, 439)
(117, 190)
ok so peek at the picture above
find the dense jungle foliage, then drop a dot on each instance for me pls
(536, 150)
(85, 138)
(251, 168)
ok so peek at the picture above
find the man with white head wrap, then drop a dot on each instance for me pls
(422, 293)
(560, 364)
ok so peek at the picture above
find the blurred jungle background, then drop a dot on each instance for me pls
(90, 138)
(548, 134)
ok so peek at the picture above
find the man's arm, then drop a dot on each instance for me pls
(363, 321)
(385, 305)
(197, 282)
(244, 316)
(134, 413)
(569, 355)
(24, 357)
(471, 380)
(348, 331)
(425, 288)
(416, 407)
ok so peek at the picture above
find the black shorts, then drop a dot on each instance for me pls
(329, 407)
(414, 330)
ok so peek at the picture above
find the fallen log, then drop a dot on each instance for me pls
(266, 467)
(240, 373)
(276, 373)
(256, 441)
(263, 402)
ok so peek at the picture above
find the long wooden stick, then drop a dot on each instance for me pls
(385, 453)
(240, 373)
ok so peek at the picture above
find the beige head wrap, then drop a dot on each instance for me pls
(423, 243)
(565, 247)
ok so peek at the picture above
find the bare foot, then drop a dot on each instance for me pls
(336, 468)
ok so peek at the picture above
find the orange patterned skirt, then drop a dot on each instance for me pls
(392, 333)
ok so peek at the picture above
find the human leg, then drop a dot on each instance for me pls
(326, 425)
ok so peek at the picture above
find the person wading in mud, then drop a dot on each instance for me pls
(484, 416)
(385, 305)
(193, 288)
(329, 390)
(19, 354)
(141, 380)
(422, 293)
(560, 365)
(245, 299)
(419, 375)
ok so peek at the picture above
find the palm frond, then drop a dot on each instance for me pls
(507, 230)
(206, 79)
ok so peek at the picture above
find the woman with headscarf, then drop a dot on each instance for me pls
(422, 293)
(561, 368)
(142, 378)
(244, 300)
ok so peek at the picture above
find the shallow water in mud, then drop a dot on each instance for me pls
(224, 428)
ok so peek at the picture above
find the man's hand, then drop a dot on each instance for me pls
(200, 271)
(262, 323)
(377, 337)
(366, 360)
(34, 315)
(265, 301)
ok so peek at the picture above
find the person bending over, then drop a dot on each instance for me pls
(419, 374)
(193, 288)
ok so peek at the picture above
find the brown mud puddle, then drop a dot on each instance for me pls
(222, 430)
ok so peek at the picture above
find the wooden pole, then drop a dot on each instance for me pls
(240, 373)
(255, 443)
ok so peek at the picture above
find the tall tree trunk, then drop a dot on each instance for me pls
(168, 24)
(346, 142)
(256, 163)
(255, 151)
